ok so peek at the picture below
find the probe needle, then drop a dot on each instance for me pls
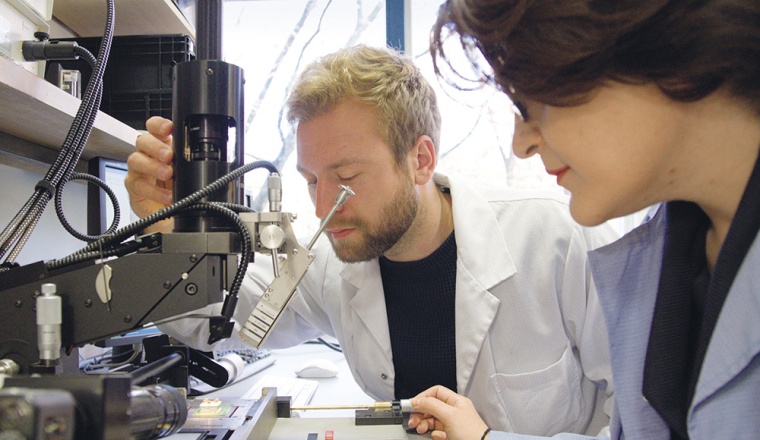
(376, 405)
(405, 406)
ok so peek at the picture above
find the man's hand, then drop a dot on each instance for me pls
(149, 172)
(446, 413)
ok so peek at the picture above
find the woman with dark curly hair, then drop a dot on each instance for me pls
(632, 104)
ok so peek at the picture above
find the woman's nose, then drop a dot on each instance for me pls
(525, 139)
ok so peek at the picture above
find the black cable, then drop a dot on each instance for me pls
(154, 368)
(139, 225)
(246, 244)
(16, 234)
(108, 362)
(330, 345)
(77, 136)
(169, 211)
(235, 207)
(111, 195)
(230, 299)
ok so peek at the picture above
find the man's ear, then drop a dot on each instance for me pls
(423, 159)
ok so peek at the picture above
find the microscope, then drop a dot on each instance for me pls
(127, 280)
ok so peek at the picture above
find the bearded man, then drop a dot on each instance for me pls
(425, 281)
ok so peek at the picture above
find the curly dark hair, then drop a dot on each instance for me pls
(556, 52)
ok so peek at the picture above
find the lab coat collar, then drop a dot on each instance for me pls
(483, 261)
(373, 363)
(369, 302)
(481, 247)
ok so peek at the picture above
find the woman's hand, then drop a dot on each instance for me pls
(447, 414)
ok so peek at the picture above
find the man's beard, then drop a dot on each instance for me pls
(394, 221)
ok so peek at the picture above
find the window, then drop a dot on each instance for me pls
(272, 40)
(476, 139)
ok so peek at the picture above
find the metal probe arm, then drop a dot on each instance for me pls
(288, 275)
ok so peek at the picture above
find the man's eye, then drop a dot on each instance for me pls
(347, 178)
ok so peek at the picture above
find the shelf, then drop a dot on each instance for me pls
(133, 17)
(36, 111)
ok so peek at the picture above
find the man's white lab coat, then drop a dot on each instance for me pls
(531, 343)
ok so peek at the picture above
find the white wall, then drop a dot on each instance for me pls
(49, 239)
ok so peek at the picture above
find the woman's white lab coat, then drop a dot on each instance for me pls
(531, 343)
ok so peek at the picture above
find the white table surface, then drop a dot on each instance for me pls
(339, 390)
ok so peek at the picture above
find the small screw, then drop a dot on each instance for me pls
(128, 319)
(88, 303)
(18, 303)
(191, 289)
(167, 284)
(193, 258)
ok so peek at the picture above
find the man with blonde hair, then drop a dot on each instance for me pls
(509, 305)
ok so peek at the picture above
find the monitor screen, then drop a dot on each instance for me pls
(132, 337)
(100, 211)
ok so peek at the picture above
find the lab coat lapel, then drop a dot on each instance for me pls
(736, 338)
(370, 335)
(369, 301)
(483, 261)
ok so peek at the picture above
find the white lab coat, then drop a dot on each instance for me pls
(531, 343)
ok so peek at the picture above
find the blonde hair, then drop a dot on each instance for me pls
(381, 78)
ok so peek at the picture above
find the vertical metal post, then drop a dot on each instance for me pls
(208, 29)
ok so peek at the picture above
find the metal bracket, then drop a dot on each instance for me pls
(279, 293)
(372, 416)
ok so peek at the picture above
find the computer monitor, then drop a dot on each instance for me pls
(100, 212)
(132, 337)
